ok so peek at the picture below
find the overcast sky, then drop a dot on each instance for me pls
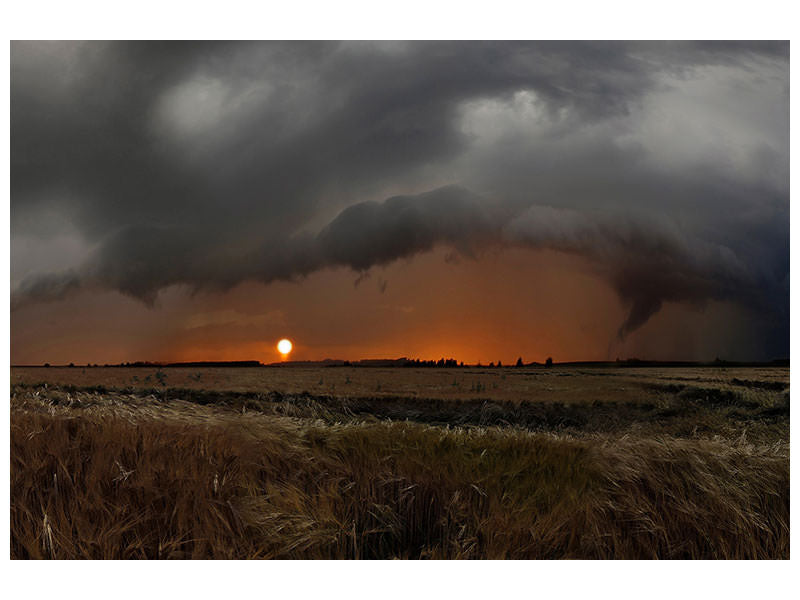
(188, 201)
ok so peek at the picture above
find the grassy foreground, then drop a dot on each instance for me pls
(124, 474)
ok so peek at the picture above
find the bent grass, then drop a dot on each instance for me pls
(117, 478)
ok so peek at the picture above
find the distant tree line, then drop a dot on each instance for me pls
(442, 362)
(447, 363)
(451, 362)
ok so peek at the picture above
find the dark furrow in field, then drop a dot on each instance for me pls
(678, 409)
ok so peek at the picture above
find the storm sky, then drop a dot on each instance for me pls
(481, 200)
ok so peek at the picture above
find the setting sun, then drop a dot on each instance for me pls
(284, 346)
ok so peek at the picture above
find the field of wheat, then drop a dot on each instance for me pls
(399, 463)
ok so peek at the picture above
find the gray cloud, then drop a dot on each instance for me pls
(664, 164)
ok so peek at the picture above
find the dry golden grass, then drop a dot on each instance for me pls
(559, 384)
(187, 474)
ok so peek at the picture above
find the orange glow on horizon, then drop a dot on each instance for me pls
(558, 309)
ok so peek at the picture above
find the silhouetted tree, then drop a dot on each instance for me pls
(519, 361)
(499, 363)
(46, 364)
(548, 362)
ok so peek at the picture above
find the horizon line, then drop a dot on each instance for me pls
(409, 363)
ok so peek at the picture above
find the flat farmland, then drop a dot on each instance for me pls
(356, 462)
(566, 385)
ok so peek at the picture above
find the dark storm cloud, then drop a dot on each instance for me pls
(647, 263)
(208, 164)
(132, 133)
(142, 260)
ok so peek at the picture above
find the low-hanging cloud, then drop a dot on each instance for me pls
(647, 263)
